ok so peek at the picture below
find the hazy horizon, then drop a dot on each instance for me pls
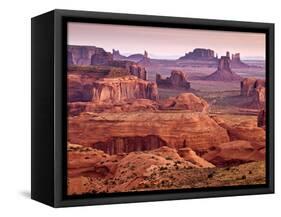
(165, 43)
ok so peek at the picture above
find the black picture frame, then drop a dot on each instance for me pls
(49, 106)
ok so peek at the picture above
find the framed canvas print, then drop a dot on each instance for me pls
(134, 108)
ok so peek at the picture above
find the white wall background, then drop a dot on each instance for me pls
(15, 106)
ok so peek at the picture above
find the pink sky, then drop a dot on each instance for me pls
(164, 42)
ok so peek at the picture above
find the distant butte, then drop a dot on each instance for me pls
(224, 72)
(199, 54)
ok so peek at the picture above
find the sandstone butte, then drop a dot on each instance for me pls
(224, 72)
(177, 80)
(109, 89)
(178, 129)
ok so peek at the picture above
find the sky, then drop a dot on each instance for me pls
(167, 43)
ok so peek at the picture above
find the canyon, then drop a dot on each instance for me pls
(137, 124)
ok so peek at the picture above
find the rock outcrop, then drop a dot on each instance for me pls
(247, 131)
(137, 70)
(176, 80)
(117, 56)
(78, 89)
(82, 88)
(123, 88)
(223, 73)
(101, 57)
(261, 118)
(196, 130)
(233, 153)
(199, 54)
(259, 98)
(81, 55)
(185, 101)
(249, 85)
(236, 61)
(189, 155)
(93, 171)
(117, 145)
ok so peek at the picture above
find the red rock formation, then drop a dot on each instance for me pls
(188, 129)
(259, 98)
(262, 118)
(249, 85)
(138, 71)
(233, 153)
(189, 155)
(176, 80)
(246, 131)
(185, 101)
(123, 88)
(223, 73)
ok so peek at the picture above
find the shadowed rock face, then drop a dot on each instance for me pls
(185, 101)
(81, 55)
(123, 88)
(101, 57)
(176, 80)
(223, 73)
(117, 145)
(197, 130)
(262, 118)
(79, 91)
(70, 58)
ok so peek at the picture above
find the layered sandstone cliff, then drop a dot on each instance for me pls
(118, 89)
(123, 88)
(196, 130)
